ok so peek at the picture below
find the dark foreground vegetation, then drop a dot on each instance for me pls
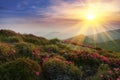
(27, 57)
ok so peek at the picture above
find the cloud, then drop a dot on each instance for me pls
(71, 12)
(64, 12)
(63, 8)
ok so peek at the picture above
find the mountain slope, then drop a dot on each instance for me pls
(105, 36)
(108, 40)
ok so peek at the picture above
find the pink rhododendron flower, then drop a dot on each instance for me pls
(68, 62)
(109, 71)
(118, 78)
(33, 52)
(101, 75)
(37, 73)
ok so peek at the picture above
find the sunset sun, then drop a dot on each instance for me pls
(90, 17)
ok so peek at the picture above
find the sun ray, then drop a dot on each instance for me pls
(93, 18)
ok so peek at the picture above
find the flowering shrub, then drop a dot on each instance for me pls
(7, 53)
(57, 69)
(36, 53)
(59, 57)
(106, 73)
(83, 57)
(24, 49)
(51, 48)
(13, 39)
(115, 62)
(8, 33)
(54, 41)
(30, 38)
(20, 69)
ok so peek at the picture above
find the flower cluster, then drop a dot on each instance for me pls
(37, 73)
(82, 55)
(114, 62)
(47, 57)
(57, 69)
(111, 74)
(36, 52)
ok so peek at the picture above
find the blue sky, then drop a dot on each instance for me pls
(25, 8)
(22, 8)
(42, 17)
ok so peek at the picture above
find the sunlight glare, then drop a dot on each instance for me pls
(90, 17)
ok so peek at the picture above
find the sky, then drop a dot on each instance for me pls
(62, 18)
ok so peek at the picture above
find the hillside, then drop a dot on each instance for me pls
(29, 57)
(107, 40)
(105, 36)
(8, 36)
